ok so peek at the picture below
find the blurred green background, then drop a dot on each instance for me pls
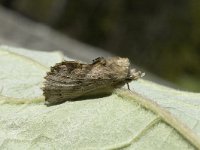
(162, 36)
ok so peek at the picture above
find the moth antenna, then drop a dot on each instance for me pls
(128, 86)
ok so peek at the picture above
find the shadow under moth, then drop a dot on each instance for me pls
(69, 80)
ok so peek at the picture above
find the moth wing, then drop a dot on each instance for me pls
(69, 79)
(56, 92)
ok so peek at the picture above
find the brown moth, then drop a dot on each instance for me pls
(70, 80)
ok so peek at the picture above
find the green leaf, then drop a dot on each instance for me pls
(22, 71)
(150, 117)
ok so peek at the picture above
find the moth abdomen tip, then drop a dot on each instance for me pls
(47, 103)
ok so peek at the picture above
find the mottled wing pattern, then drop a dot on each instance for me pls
(69, 79)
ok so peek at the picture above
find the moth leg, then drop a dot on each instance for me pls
(128, 86)
(1, 90)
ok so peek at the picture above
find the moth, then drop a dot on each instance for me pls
(69, 80)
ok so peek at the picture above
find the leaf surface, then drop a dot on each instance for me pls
(151, 117)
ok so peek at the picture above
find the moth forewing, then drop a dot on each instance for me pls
(70, 80)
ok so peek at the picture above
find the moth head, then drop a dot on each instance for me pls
(122, 68)
(134, 75)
